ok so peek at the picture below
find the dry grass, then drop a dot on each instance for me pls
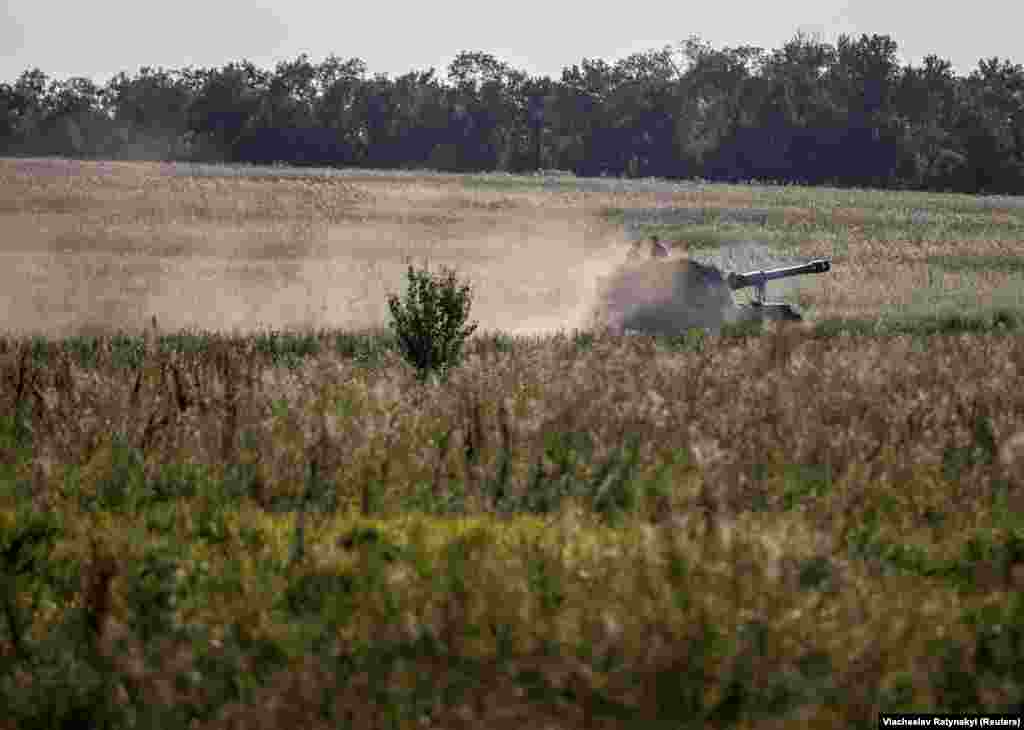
(883, 415)
(815, 518)
(108, 245)
(94, 246)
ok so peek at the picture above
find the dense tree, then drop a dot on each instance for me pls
(925, 110)
(290, 96)
(14, 109)
(799, 95)
(991, 126)
(490, 102)
(227, 102)
(149, 111)
(24, 107)
(808, 111)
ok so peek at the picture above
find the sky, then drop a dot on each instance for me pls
(101, 38)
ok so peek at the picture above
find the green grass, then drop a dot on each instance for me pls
(937, 312)
(972, 264)
(883, 225)
(880, 200)
(946, 321)
(885, 203)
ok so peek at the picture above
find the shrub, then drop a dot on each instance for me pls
(429, 325)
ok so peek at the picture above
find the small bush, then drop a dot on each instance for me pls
(430, 323)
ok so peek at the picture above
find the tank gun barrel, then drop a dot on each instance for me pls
(760, 278)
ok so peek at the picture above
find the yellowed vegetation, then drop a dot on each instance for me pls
(813, 518)
(105, 245)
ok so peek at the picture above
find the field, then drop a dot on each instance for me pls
(94, 247)
(226, 501)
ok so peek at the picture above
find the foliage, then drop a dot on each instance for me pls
(430, 323)
(286, 348)
(809, 112)
(367, 349)
(164, 593)
(761, 529)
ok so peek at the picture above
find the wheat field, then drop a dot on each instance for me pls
(97, 246)
(226, 528)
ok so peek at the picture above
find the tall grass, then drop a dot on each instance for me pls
(735, 531)
(763, 528)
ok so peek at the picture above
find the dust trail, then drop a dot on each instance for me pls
(545, 277)
(104, 249)
(535, 276)
(664, 297)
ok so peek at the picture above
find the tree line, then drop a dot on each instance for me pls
(810, 112)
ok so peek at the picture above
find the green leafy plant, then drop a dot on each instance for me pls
(25, 547)
(119, 483)
(431, 323)
(15, 441)
(366, 349)
(85, 350)
(693, 340)
(287, 348)
(186, 342)
(805, 481)
(956, 459)
(127, 352)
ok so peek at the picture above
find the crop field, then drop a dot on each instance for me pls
(228, 501)
(93, 247)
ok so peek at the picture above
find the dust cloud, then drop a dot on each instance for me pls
(533, 278)
(91, 258)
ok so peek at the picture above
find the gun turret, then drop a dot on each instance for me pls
(758, 307)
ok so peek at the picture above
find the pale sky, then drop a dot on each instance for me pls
(100, 38)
